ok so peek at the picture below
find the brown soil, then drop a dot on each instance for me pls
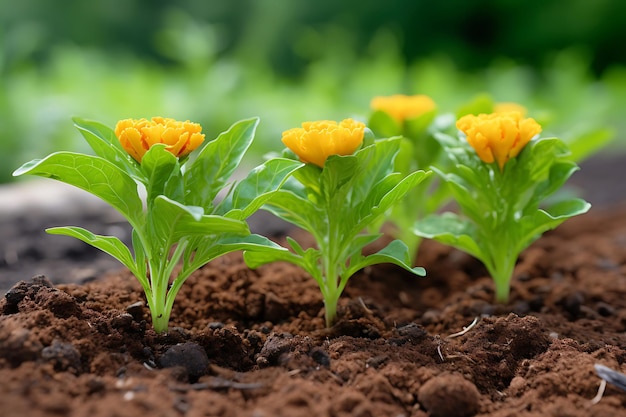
(252, 343)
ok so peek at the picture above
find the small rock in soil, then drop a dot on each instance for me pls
(320, 356)
(412, 331)
(215, 325)
(136, 310)
(63, 356)
(189, 356)
(449, 395)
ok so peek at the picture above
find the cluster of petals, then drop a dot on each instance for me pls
(402, 107)
(137, 136)
(314, 142)
(498, 136)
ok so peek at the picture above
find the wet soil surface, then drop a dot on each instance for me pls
(253, 343)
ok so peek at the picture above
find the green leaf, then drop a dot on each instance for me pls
(396, 253)
(417, 127)
(295, 246)
(398, 192)
(219, 245)
(209, 173)
(375, 163)
(589, 143)
(108, 244)
(162, 174)
(541, 221)
(258, 187)
(405, 161)
(470, 203)
(539, 155)
(298, 211)
(106, 145)
(255, 259)
(359, 242)
(308, 177)
(94, 175)
(383, 125)
(338, 172)
(482, 103)
(171, 221)
(560, 172)
(450, 229)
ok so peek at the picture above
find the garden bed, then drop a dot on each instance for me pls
(253, 343)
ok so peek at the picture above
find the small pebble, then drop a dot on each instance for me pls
(136, 310)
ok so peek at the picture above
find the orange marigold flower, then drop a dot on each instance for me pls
(314, 142)
(402, 107)
(137, 136)
(498, 136)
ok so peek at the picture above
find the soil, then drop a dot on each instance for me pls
(253, 343)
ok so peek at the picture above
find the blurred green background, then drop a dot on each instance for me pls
(287, 61)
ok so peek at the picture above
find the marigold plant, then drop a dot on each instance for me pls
(179, 226)
(411, 118)
(501, 177)
(335, 196)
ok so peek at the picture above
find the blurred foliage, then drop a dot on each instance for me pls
(215, 62)
(287, 33)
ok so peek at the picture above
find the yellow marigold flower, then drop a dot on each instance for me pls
(137, 136)
(314, 142)
(402, 107)
(509, 106)
(498, 136)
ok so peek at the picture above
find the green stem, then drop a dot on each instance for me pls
(330, 310)
(330, 293)
(160, 317)
(501, 272)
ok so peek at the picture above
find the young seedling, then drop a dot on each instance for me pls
(178, 223)
(500, 179)
(342, 189)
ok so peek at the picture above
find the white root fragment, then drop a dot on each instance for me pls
(367, 310)
(465, 329)
(600, 393)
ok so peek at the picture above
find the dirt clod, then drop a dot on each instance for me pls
(189, 356)
(449, 395)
